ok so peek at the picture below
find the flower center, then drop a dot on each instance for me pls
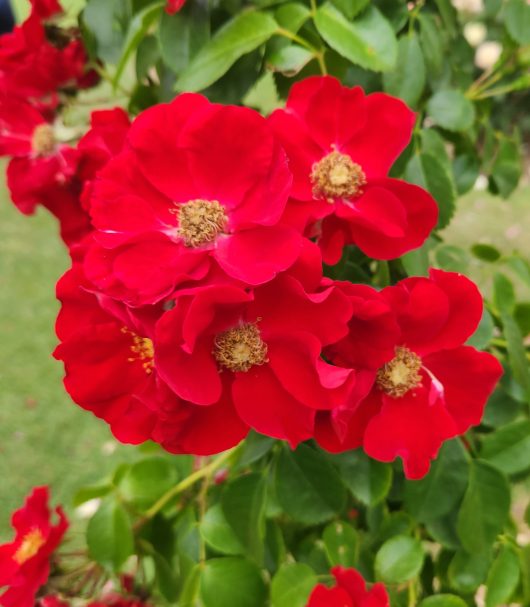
(142, 349)
(200, 221)
(337, 176)
(31, 544)
(401, 374)
(240, 348)
(43, 140)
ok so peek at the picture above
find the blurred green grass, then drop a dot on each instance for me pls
(44, 437)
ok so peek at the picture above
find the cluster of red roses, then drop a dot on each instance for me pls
(41, 66)
(25, 562)
(197, 308)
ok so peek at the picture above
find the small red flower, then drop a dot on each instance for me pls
(113, 345)
(433, 387)
(44, 9)
(259, 349)
(349, 591)
(202, 186)
(174, 6)
(341, 145)
(25, 562)
(42, 170)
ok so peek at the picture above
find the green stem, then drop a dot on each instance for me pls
(317, 54)
(184, 484)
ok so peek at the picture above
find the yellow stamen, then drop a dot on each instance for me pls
(43, 140)
(337, 176)
(33, 541)
(240, 348)
(200, 221)
(401, 374)
(142, 349)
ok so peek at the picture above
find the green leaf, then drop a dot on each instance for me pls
(368, 41)
(466, 169)
(451, 258)
(407, 80)
(341, 542)
(486, 252)
(86, 494)
(484, 332)
(292, 16)
(451, 110)
(503, 577)
(367, 479)
(232, 582)
(147, 480)
(508, 448)
(243, 503)
(503, 293)
(107, 21)
(501, 409)
(137, 31)
(308, 486)
(109, 536)
(218, 534)
(289, 60)
(399, 559)
(468, 571)
(485, 508)
(241, 35)
(428, 172)
(292, 585)
(431, 44)
(430, 498)
(517, 20)
(351, 8)
(443, 600)
(190, 591)
(182, 35)
(522, 316)
(166, 577)
(147, 55)
(507, 167)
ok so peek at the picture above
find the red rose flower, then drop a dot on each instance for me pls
(174, 6)
(260, 349)
(42, 170)
(433, 388)
(341, 145)
(44, 9)
(25, 562)
(112, 345)
(202, 185)
(349, 591)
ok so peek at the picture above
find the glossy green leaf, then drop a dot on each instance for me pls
(428, 172)
(506, 170)
(244, 33)
(147, 480)
(484, 332)
(289, 60)
(503, 577)
(243, 503)
(341, 542)
(468, 571)
(308, 487)
(451, 110)
(218, 534)
(137, 31)
(351, 8)
(292, 585)
(430, 498)
(368, 41)
(107, 21)
(399, 559)
(508, 448)
(485, 508)
(232, 582)
(431, 44)
(517, 19)
(407, 80)
(486, 252)
(292, 16)
(367, 479)
(109, 536)
(451, 258)
(182, 35)
(443, 600)
(86, 494)
(466, 169)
